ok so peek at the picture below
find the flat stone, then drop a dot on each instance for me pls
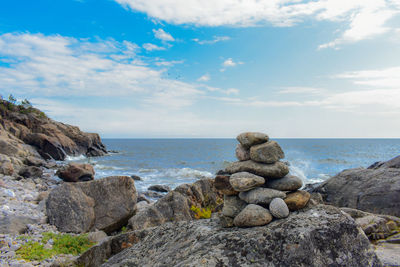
(261, 195)
(249, 139)
(269, 152)
(222, 184)
(242, 153)
(233, 205)
(274, 170)
(278, 208)
(244, 181)
(252, 215)
(297, 200)
(287, 183)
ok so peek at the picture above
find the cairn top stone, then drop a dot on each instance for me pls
(249, 139)
(269, 152)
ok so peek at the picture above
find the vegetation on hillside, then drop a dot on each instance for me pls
(23, 107)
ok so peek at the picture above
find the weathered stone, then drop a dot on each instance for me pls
(225, 221)
(15, 225)
(275, 170)
(244, 181)
(175, 206)
(278, 208)
(252, 215)
(159, 188)
(153, 194)
(6, 168)
(287, 183)
(242, 153)
(261, 195)
(222, 184)
(76, 172)
(97, 236)
(136, 178)
(321, 236)
(104, 204)
(269, 152)
(34, 161)
(376, 190)
(233, 205)
(297, 200)
(251, 138)
(31, 172)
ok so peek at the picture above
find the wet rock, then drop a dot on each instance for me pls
(249, 139)
(159, 188)
(287, 183)
(222, 184)
(76, 172)
(105, 204)
(242, 153)
(233, 205)
(275, 170)
(297, 200)
(262, 196)
(136, 178)
(244, 181)
(153, 194)
(278, 208)
(31, 172)
(269, 152)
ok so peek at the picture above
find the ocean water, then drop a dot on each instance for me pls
(175, 161)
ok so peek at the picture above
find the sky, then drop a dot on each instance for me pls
(206, 68)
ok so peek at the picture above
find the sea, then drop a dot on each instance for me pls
(173, 162)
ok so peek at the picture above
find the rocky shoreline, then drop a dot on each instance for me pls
(252, 214)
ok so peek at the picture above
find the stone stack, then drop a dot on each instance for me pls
(258, 187)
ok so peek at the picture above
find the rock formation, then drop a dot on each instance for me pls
(259, 186)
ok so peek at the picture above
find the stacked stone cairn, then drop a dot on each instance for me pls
(258, 187)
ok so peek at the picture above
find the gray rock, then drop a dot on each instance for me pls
(76, 172)
(275, 170)
(278, 208)
(287, 183)
(321, 236)
(153, 194)
(242, 153)
(232, 206)
(261, 195)
(141, 205)
(159, 188)
(244, 181)
(222, 184)
(225, 221)
(30, 172)
(251, 138)
(175, 206)
(12, 224)
(136, 178)
(252, 215)
(371, 190)
(105, 204)
(393, 163)
(97, 236)
(269, 152)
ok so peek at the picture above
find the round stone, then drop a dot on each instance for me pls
(261, 195)
(252, 215)
(269, 152)
(244, 181)
(297, 200)
(242, 153)
(287, 183)
(278, 208)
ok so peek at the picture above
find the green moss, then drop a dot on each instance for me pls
(200, 213)
(62, 244)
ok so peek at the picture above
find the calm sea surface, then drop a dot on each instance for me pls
(176, 161)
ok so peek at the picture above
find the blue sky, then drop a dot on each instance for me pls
(157, 68)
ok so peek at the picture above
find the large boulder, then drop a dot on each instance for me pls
(177, 204)
(275, 170)
(105, 204)
(76, 172)
(320, 236)
(376, 189)
(13, 224)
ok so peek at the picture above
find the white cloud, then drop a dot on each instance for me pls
(162, 35)
(366, 18)
(385, 78)
(232, 91)
(229, 63)
(301, 90)
(168, 63)
(204, 78)
(152, 47)
(216, 39)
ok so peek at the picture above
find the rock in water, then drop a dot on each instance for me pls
(244, 181)
(105, 204)
(373, 190)
(275, 170)
(269, 152)
(250, 139)
(222, 184)
(261, 195)
(287, 183)
(242, 153)
(233, 205)
(159, 188)
(76, 172)
(278, 208)
(297, 200)
(321, 236)
(252, 215)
